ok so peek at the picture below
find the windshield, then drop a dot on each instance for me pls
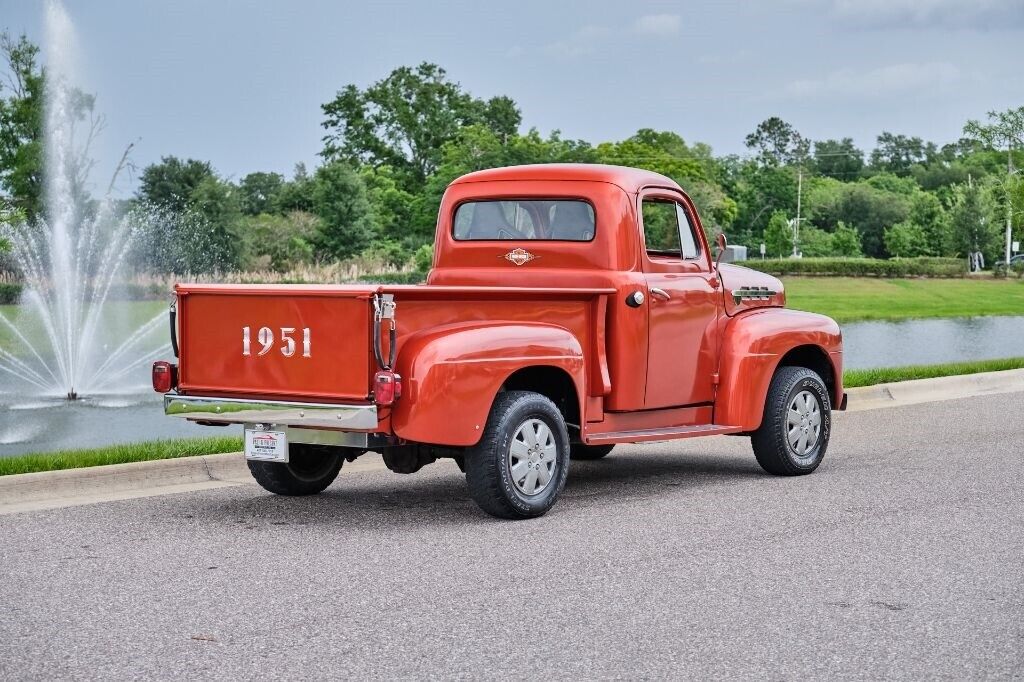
(530, 219)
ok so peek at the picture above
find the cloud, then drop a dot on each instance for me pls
(657, 24)
(587, 39)
(885, 80)
(951, 14)
(583, 41)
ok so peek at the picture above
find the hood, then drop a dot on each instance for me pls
(746, 289)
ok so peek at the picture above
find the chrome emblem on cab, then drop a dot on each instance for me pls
(519, 256)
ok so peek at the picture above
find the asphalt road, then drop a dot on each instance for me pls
(902, 556)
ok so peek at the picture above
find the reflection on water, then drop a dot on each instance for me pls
(925, 342)
(35, 425)
(32, 424)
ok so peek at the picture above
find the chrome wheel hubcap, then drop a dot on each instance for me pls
(532, 457)
(803, 424)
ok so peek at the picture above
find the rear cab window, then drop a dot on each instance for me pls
(525, 219)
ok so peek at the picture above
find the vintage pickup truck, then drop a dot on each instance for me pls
(569, 308)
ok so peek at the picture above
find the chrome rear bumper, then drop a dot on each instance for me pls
(361, 416)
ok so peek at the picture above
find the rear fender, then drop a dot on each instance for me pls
(753, 346)
(452, 373)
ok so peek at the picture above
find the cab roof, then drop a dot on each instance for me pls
(629, 179)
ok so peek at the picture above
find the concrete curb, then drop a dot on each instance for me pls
(71, 487)
(933, 390)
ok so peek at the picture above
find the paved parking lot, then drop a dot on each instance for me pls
(903, 556)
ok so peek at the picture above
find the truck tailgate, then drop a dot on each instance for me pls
(311, 342)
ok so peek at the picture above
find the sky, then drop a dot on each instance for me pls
(240, 84)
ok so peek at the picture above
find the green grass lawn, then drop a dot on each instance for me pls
(117, 454)
(849, 299)
(854, 378)
(120, 318)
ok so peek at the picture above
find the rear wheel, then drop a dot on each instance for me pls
(581, 451)
(797, 423)
(519, 467)
(309, 470)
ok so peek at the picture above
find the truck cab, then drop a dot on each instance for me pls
(569, 308)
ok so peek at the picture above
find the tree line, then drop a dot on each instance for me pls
(390, 149)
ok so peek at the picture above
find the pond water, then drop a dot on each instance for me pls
(32, 425)
(925, 342)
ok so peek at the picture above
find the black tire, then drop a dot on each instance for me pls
(310, 469)
(772, 447)
(489, 463)
(581, 451)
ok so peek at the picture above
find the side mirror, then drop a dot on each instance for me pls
(721, 242)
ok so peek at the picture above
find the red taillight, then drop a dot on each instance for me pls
(165, 376)
(387, 387)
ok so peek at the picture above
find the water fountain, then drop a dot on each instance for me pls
(74, 363)
(71, 258)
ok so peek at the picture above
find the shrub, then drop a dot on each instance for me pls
(423, 258)
(413, 277)
(9, 293)
(862, 267)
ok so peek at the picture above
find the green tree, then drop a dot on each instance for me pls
(905, 240)
(815, 243)
(171, 182)
(760, 191)
(297, 194)
(404, 121)
(926, 210)
(777, 143)
(278, 242)
(21, 124)
(346, 218)
(217, 203)
(259, 193)
(898, 153)
(838, 159)
(778, 236)
(869, 209)
(973, 223)
(1004, 129)
(846, 242)
(392, 206)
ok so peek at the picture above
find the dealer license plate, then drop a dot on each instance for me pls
(266, 446)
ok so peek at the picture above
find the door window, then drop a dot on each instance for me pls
(668, 232)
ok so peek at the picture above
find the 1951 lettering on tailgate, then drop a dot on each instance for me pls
(569, 308)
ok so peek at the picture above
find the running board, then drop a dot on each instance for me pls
(671, 433)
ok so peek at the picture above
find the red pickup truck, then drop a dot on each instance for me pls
(569, 308)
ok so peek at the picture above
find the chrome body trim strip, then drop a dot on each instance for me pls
(362, 416)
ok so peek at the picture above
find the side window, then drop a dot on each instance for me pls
(661, 227)
(691, 245)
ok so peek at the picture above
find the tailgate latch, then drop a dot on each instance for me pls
(384, 309)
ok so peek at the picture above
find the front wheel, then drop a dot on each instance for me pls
(797, 423)
(519, 467)
(309, 470)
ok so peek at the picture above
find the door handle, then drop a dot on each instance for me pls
(660, 293)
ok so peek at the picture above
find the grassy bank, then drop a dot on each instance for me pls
(117, 454)
(849, 299)
(870, 377)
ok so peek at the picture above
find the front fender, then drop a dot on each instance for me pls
(452, 373)
(753, 344)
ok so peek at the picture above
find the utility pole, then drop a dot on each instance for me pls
(1009, 201)
(796, 223)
